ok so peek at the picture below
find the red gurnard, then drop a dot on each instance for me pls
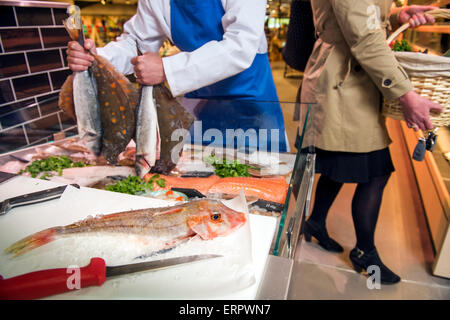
(169, 226)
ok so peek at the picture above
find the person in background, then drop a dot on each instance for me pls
(223, 56)
(300, 40)
(349, 70)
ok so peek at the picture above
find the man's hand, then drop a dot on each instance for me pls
(78, 57)
(416, 110)
(148, 69)
(415, 15)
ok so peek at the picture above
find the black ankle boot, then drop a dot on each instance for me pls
(319, 232)
(362, 260)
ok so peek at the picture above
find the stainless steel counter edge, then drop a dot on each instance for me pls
(276, 279)
(39, 4)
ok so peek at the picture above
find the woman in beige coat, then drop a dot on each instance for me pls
(350, 69)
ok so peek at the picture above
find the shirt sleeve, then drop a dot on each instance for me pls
(243, 24)
(142, 29)
(359, 21)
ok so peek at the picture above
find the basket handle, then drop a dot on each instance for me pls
(437, 13)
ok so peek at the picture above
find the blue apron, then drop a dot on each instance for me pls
(245, 101)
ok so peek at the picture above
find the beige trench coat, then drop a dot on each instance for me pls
(350, 66)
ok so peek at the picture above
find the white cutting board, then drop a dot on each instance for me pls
(209, 279)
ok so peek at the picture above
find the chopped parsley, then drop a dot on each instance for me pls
(225, 168)
(50, 164)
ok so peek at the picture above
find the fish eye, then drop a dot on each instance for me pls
(215, 216)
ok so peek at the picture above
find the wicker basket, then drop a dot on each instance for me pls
(430, 76)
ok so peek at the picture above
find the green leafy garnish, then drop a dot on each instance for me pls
(402, 46)
(225, 168)
(161, 183)
(51, 164)
(135, 185)
(46, 175)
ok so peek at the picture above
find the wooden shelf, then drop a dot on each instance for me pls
(438, 29)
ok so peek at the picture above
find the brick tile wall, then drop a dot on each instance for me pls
(33, 68)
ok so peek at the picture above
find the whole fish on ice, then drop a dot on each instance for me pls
(148, 141)
(168, 226)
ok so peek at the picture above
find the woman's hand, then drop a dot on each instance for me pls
(415, 15)
(416, 110)
(78, 57)
(148, 69)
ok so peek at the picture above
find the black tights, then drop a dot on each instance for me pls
(365, 207)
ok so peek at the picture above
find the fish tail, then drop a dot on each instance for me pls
(142, 167)
(34, 241)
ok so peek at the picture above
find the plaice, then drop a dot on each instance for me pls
(110, 113)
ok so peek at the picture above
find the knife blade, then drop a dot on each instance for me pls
(44, 283)
(197, 174)
(5, 176)
(32, 198)
(190, 193)
(269, 205)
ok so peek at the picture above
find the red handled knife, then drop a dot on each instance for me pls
(44, 283)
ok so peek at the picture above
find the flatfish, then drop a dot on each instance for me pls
(117, 99)
(172, 116)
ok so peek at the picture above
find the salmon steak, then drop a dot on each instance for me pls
(270, 189)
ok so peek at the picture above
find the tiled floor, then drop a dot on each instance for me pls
(402, 236)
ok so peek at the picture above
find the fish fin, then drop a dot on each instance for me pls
(65, 100)
(142, 167)
(32, 242)
(148, 255)
(164, 250)
(201, 229)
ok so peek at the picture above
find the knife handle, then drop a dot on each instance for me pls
(39, 284)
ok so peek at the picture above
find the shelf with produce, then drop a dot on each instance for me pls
(438, 29)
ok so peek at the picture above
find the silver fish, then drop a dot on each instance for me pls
(148, 141)
(87, 111)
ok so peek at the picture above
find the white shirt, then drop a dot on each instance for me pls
(244, 37)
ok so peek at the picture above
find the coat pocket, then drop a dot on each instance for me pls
(315, 70)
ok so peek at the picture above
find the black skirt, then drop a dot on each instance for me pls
(354, 167)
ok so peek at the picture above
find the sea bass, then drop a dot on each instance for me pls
(169, 226)
(148, 141)
(87, 111)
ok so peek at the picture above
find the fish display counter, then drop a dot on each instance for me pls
(236, 212)
(113, 190)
